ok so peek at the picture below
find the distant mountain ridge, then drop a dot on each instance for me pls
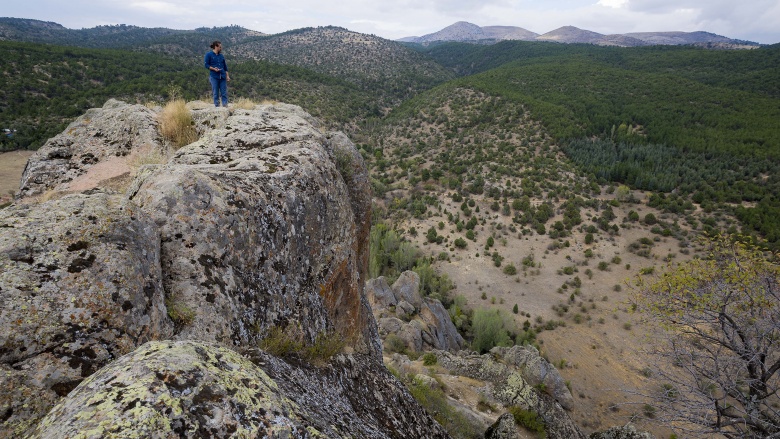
(120, 36)
(463, 31)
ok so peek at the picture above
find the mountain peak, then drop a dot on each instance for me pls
(464, 31)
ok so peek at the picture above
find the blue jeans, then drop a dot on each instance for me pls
(219, 87)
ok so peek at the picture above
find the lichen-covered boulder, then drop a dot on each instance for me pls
(405, 331)
(537, 371)
(114, 130)
(260, 225)
(354, 396)
(503, 428)
(80, 285)
(176, 389)
(508, 386)
(260, 228)
(193, 389)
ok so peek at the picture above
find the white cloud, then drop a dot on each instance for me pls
(168, 8)
(617, 4)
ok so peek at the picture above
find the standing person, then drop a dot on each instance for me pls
(218, 73)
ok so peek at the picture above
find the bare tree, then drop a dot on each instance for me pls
(720, 353)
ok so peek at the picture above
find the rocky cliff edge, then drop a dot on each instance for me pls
(138, 309)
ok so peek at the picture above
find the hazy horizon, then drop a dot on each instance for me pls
(756, 20)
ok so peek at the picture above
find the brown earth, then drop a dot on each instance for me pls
(11, 167)
(601, 357)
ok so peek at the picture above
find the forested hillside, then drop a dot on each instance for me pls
(121, 36)
(45, 87)
(388, 69)
(697, 122)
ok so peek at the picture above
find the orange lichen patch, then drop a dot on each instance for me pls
(342, 300)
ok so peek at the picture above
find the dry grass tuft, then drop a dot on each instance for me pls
(146, 155)
(244, 104)
(176, 124)
(286, 343)
(49, 195)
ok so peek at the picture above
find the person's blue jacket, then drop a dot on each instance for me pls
(213, 60)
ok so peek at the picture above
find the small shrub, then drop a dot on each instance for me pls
(529, 420)
(429, 359)
(180, 313)
(284, 343)
(484, 406)
(280, 343)
(394, 343)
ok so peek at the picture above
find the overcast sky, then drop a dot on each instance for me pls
(755, 20)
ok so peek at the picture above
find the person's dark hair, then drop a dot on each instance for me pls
(216, 43)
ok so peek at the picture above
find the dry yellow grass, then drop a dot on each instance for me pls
(11, 167)
(176, 124)
(146, 155)
(49, 195)
(244, 104)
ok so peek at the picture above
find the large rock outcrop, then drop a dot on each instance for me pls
(509, 384)
(420, 323)
(257, 228)
(94, 139)
(193, 389)
(504, 428)
(80, 285)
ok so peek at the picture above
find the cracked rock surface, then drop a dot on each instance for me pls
(131, 312)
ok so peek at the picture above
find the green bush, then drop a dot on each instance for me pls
(529, 420)
(394, 343)
(490, 328)
(429, 359)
